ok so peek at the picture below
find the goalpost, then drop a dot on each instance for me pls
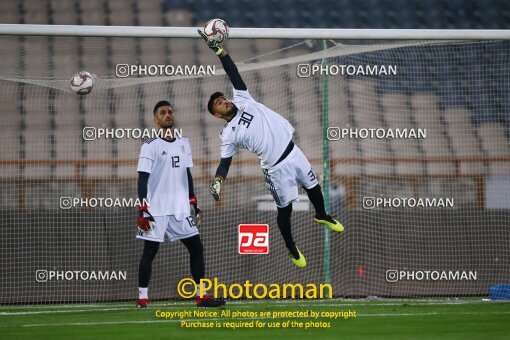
(407, 130)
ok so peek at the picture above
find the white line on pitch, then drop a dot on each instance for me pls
(336, 302)
(258, 318)
(64, 311)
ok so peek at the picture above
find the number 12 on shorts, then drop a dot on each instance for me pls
(253, 239)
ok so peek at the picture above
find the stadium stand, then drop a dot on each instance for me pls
(460, 127)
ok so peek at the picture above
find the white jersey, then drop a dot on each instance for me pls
(256, 128)
(168, 192)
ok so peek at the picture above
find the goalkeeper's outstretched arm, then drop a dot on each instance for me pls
(228, 64)
(221, 174)
(231, 69)
(222, 170)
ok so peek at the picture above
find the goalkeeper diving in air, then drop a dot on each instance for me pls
(251, 125)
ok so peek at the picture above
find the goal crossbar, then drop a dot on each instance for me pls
(255, 33)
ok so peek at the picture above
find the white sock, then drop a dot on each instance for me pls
(143, 293)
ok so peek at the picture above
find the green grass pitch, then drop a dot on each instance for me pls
(375, 319)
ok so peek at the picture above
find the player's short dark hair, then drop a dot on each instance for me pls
(160, 104)
(211, 101)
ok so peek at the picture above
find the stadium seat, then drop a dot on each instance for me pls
(246, 164)
(68, 144)
(122, 17)
(494, 139)
(37, 62)
(464, 142)
(408, 168)
(469, 168)
(64, 17)
(62, 6)
(128, 148)
(36, 172)
(396, 111)
(10, 172)
(241, 49)
(67, 113)
(37, 144)
(99, 149)
(9, 6)
(92, 5)
(97, 171)
(36, 114)
(428, 119)
(150, 18)
(126, 116)
(9, 18)
(152, 51)
(342, 151)
(65, 171)
(12, 145)
(123, 50)
(376, 148)
(441, 168)
(424, 101)
(98, 66)
(364, 100)
(93, 17)
(436, 144)
(118, 5)
(496, 168)
(36, 17)
(457, 117)
(181, 53)
(265, 46)
(179, 18)
(64, 65)
(149, 6)
(126, 171)
(9, 97)
(34, 6)
(96, 116)
(405, 148)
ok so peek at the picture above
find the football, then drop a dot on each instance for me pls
(216, 29)
(82, 82)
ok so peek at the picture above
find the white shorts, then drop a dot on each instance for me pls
(175, 227)
(282, 180)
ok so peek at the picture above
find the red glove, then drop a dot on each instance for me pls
(145, 219)
(193, 201)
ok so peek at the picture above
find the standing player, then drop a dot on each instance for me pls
(253, 126)
(164, 180)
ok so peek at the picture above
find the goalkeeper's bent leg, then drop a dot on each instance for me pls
(150, 249)
(315, 196)
(283, 221)
(196, 257)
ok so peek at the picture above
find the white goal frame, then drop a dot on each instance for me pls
(254, 33)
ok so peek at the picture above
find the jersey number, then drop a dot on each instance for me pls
(312, 175)
(175, 162)
(245, 119)
(191, 222)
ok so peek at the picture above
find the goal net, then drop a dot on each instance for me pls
(408, 138)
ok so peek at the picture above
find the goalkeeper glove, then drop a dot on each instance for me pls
(145, 219)
(196, 210)
(215, 188)
(213, 44)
